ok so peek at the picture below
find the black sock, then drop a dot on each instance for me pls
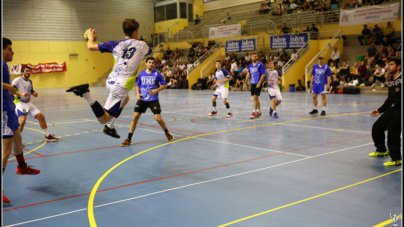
(130, 136)
(227, 105)
(214, 104)
(166, 130)
(97, 109)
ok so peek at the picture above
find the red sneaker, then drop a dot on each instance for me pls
(258, 114)
(51, 138)
(29, 170)
(169, 136)
(5, 200)
(253, 116)
(213, 113)
(229, 115)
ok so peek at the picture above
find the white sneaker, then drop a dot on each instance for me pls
(330, 89)
(373, 85)
(382, 85)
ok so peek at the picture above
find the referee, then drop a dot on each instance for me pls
(390, 119)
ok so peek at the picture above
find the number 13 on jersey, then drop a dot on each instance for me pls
(128, 52)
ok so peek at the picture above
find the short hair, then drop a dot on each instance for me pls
(219, 61)
(129, 26)
(6, 42)
(254, 53)
(25, 67)
(396, 61)
(150, 58)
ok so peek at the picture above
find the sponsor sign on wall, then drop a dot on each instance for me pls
(288, 41)
(370, 14)
(40, 68)
(240, 45)
(225, 31)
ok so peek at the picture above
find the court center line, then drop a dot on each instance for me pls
(304, 200)
(189, 185)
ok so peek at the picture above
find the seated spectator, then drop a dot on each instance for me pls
(321, 7)
(268, 3)
(371, 55)
(343, 70)
(376, 35)
(307, 4)
(353, 74)
(197, 19)
(276, 58)
(227, 65)
(388, 31)
(191, 53)
(284, 55)
(261, 10)
(307, 29)
(292, 6)
(169, 54)
(158, 64)
(280, 9)
(379, 75)
(233, 57)
(383, 59)
(209, 82)
(285, 29)
(392, 53)
(177, 53)
(385, 43)
(285, 2)
(335, 81)
(333, 69)
(247, 58)
(293, 56)
(362, 72)
(226, 57)
(313, 31)
(334, 57)
(368, 2)
(269, 56)
(280, 64)
(349, 4)
(365, 35)
(226, 18)
(266, 9)
(182, 66)
(199, 52)
(189, 65)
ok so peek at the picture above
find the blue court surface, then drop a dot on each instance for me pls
(297, 170)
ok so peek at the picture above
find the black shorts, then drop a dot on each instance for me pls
(254, 90)
(141, 106)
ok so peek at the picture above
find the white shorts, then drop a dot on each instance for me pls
(29, 109)
(115, 99)
(274, 93)
(221, 92)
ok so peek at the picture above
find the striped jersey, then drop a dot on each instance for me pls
(128, 54)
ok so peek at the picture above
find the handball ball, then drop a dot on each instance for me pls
(85, 34)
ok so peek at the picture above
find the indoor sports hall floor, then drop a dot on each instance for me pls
(298, 170)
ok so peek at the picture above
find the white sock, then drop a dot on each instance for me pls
(258, 111)
(253, 110)
(315, 107)
(214, 109)
(324, 108)
(274, 111)
(46, 131)
(228, 110)
(110, 123)
(89, 98)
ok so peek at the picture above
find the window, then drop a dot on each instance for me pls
(171, 11)
(190, 13)
(183, 10)
(159, 14)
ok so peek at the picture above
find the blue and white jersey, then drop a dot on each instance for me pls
(23, 85)
(8, 100)
(128, 55)
(256, 72)
(221, 75)
(272, 78)
(147, 82)
(321, 73)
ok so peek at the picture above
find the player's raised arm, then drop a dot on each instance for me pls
(90, 43)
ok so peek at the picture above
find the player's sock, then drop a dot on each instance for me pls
(258, 111)
(274, 111)
(214, 106)
(166, 130)
(97, 109)
(228, 107)
(89, 98)
(324, 108)
(110, 123)
(46, 131)
(253, 110)
(315, 107)
(21, 160)
(130, 136)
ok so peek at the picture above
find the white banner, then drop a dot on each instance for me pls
(225, 31)
(372, 14)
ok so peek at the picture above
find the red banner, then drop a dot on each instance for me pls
(47, 67)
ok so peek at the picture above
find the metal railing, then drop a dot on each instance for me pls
(326, 49)
(203, 57)
(212, 64)
(174, 24)
(288, 65)
(183, 35)
(159, 38)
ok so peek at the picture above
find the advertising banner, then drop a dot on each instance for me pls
(240, 45)
(288, 41)
(370, 14)
(225, 31)
(40, 68)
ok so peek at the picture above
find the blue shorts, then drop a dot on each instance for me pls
(319, 89)
(10, 123)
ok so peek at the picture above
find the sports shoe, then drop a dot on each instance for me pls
(169, 136)
(322, 113)
(79, 90)
(270, 111)
(392, 163)
(5, 200)
(29, 170)
(330, 89)
(313, 112)
(379, 154)
(111, 132)
(382, 85)
(213, 113)
(126, 143)
(373, 85)
(229, 115)
(253, 116)
(51, 138)
(258, 114)
(276, 115)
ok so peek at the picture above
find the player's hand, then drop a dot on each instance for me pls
(244, 87)
(26, 95)
(375, 113)
(91, 34)
(258, 85)
(153, 92)
(35, 94)
(139, 97)
(12, 91)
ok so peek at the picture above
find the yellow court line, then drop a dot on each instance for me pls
(386, 222)
(90, 206)
(304, 200)
(33, 149)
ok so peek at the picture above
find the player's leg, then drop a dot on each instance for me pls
(140, 108)
(118, 97)
(258, 105)
(214, 97)
(378, 133)
(393, 139)
(7, 145)
(315, 102)
(225, 95)
(253, 115)
(324, 99)
(22, 119)
(42, 122)
(111, 123)
(156, 109)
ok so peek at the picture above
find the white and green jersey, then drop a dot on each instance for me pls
(23, 85)
(128, 54)
(221, 75)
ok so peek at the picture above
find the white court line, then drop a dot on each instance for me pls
(189, 185)
(341, 130)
